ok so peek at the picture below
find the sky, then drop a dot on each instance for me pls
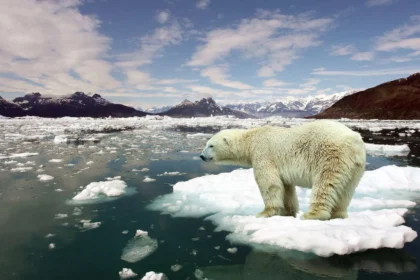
(153, 53)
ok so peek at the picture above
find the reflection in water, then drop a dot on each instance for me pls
(294, 265)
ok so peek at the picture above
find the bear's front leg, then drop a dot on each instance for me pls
(272, 192)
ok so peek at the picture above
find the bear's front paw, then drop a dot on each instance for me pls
(269, 212)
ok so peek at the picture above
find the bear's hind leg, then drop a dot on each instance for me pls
(291, 203)
(272, 192)
(323, 201)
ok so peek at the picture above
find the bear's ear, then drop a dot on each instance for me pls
(226, 140)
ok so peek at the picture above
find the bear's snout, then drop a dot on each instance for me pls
(205, 158)
(202, 157)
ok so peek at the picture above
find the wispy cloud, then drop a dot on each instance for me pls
(363, 56)
(274, 83)
(373, 3)
(338, 50)
(263, 37)
(404, 37)
(373, 72)
(163, 16)
(218, 75)
(203, 4)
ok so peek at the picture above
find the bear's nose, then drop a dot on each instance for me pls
(202, 157)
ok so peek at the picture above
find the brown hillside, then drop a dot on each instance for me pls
(399, 99)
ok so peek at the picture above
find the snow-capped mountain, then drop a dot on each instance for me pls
(10, 109)
(203, 108)
(157, 110)
(77, 104)
(291, 106)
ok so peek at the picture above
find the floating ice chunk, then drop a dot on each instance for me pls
(231, 201)
(124, 232)
(49, 235)
(387, 150)
(138, 248)
(140, 232)
(21, 169)
(151, 275)
(144, 169)
(196, 135)
(58, 190)
(77, 211)
(58, 139)
(175, 173)
(127, 273)
(60, 216)
(232, 250)
(51, 246)
(108, 188)
(55, 160)
(89, 225)
(113, 178)
(176, 267)
(21, 155)
(10, 162)
(147, 179)
(199, 274)
(45, 177)
(90, 162)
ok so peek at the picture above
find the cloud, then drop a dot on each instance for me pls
(270, 36)
(53, 44)
(363, 56)
(217, 75)
(274, 83)
(373, 3)
(174, 81)
(401, 37)
(338, 50)
(360, 73)
(163, 16)
(151, 45)
(203, 4)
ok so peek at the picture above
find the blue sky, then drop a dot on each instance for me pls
(155, 53)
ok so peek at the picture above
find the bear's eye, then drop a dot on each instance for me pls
(211, 146)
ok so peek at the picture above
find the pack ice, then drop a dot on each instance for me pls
(231, 201)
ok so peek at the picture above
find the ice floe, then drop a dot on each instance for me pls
(151, 275)
(387, 150)
(139, 247)
(147, 179)
(21, 155)
(109, 188)
(231, 200)
(175, 173)
(126, 273)
(45, 177)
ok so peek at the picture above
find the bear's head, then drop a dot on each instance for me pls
(219, 148)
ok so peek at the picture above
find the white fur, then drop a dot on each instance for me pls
(323, 155)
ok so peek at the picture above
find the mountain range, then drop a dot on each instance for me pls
(77, 104)
(398, 99)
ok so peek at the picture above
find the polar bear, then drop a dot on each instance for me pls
(325, 155)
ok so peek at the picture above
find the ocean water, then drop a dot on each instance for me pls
(29, 211)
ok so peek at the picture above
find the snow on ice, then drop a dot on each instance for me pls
(151, 275)
(110, 188)
(231, 201)
(127, 273)
(387, 150)
(45, 177)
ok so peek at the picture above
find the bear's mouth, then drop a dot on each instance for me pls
(205, 159)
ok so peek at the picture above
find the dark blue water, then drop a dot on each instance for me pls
(27, 209)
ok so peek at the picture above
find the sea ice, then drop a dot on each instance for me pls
(151, 275)
(45, 177)
(51, 246)
(21, 169)
(21, 155)
(147, 179)
(232, 250)
(175, 173)
(127, 273)
(89, 225)
(60, 216)
(49, 235)
(231, 201)
(58, 139)
(55, 160)
(109, 188)
(176, 267)
(139, 247)
(387, 150)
